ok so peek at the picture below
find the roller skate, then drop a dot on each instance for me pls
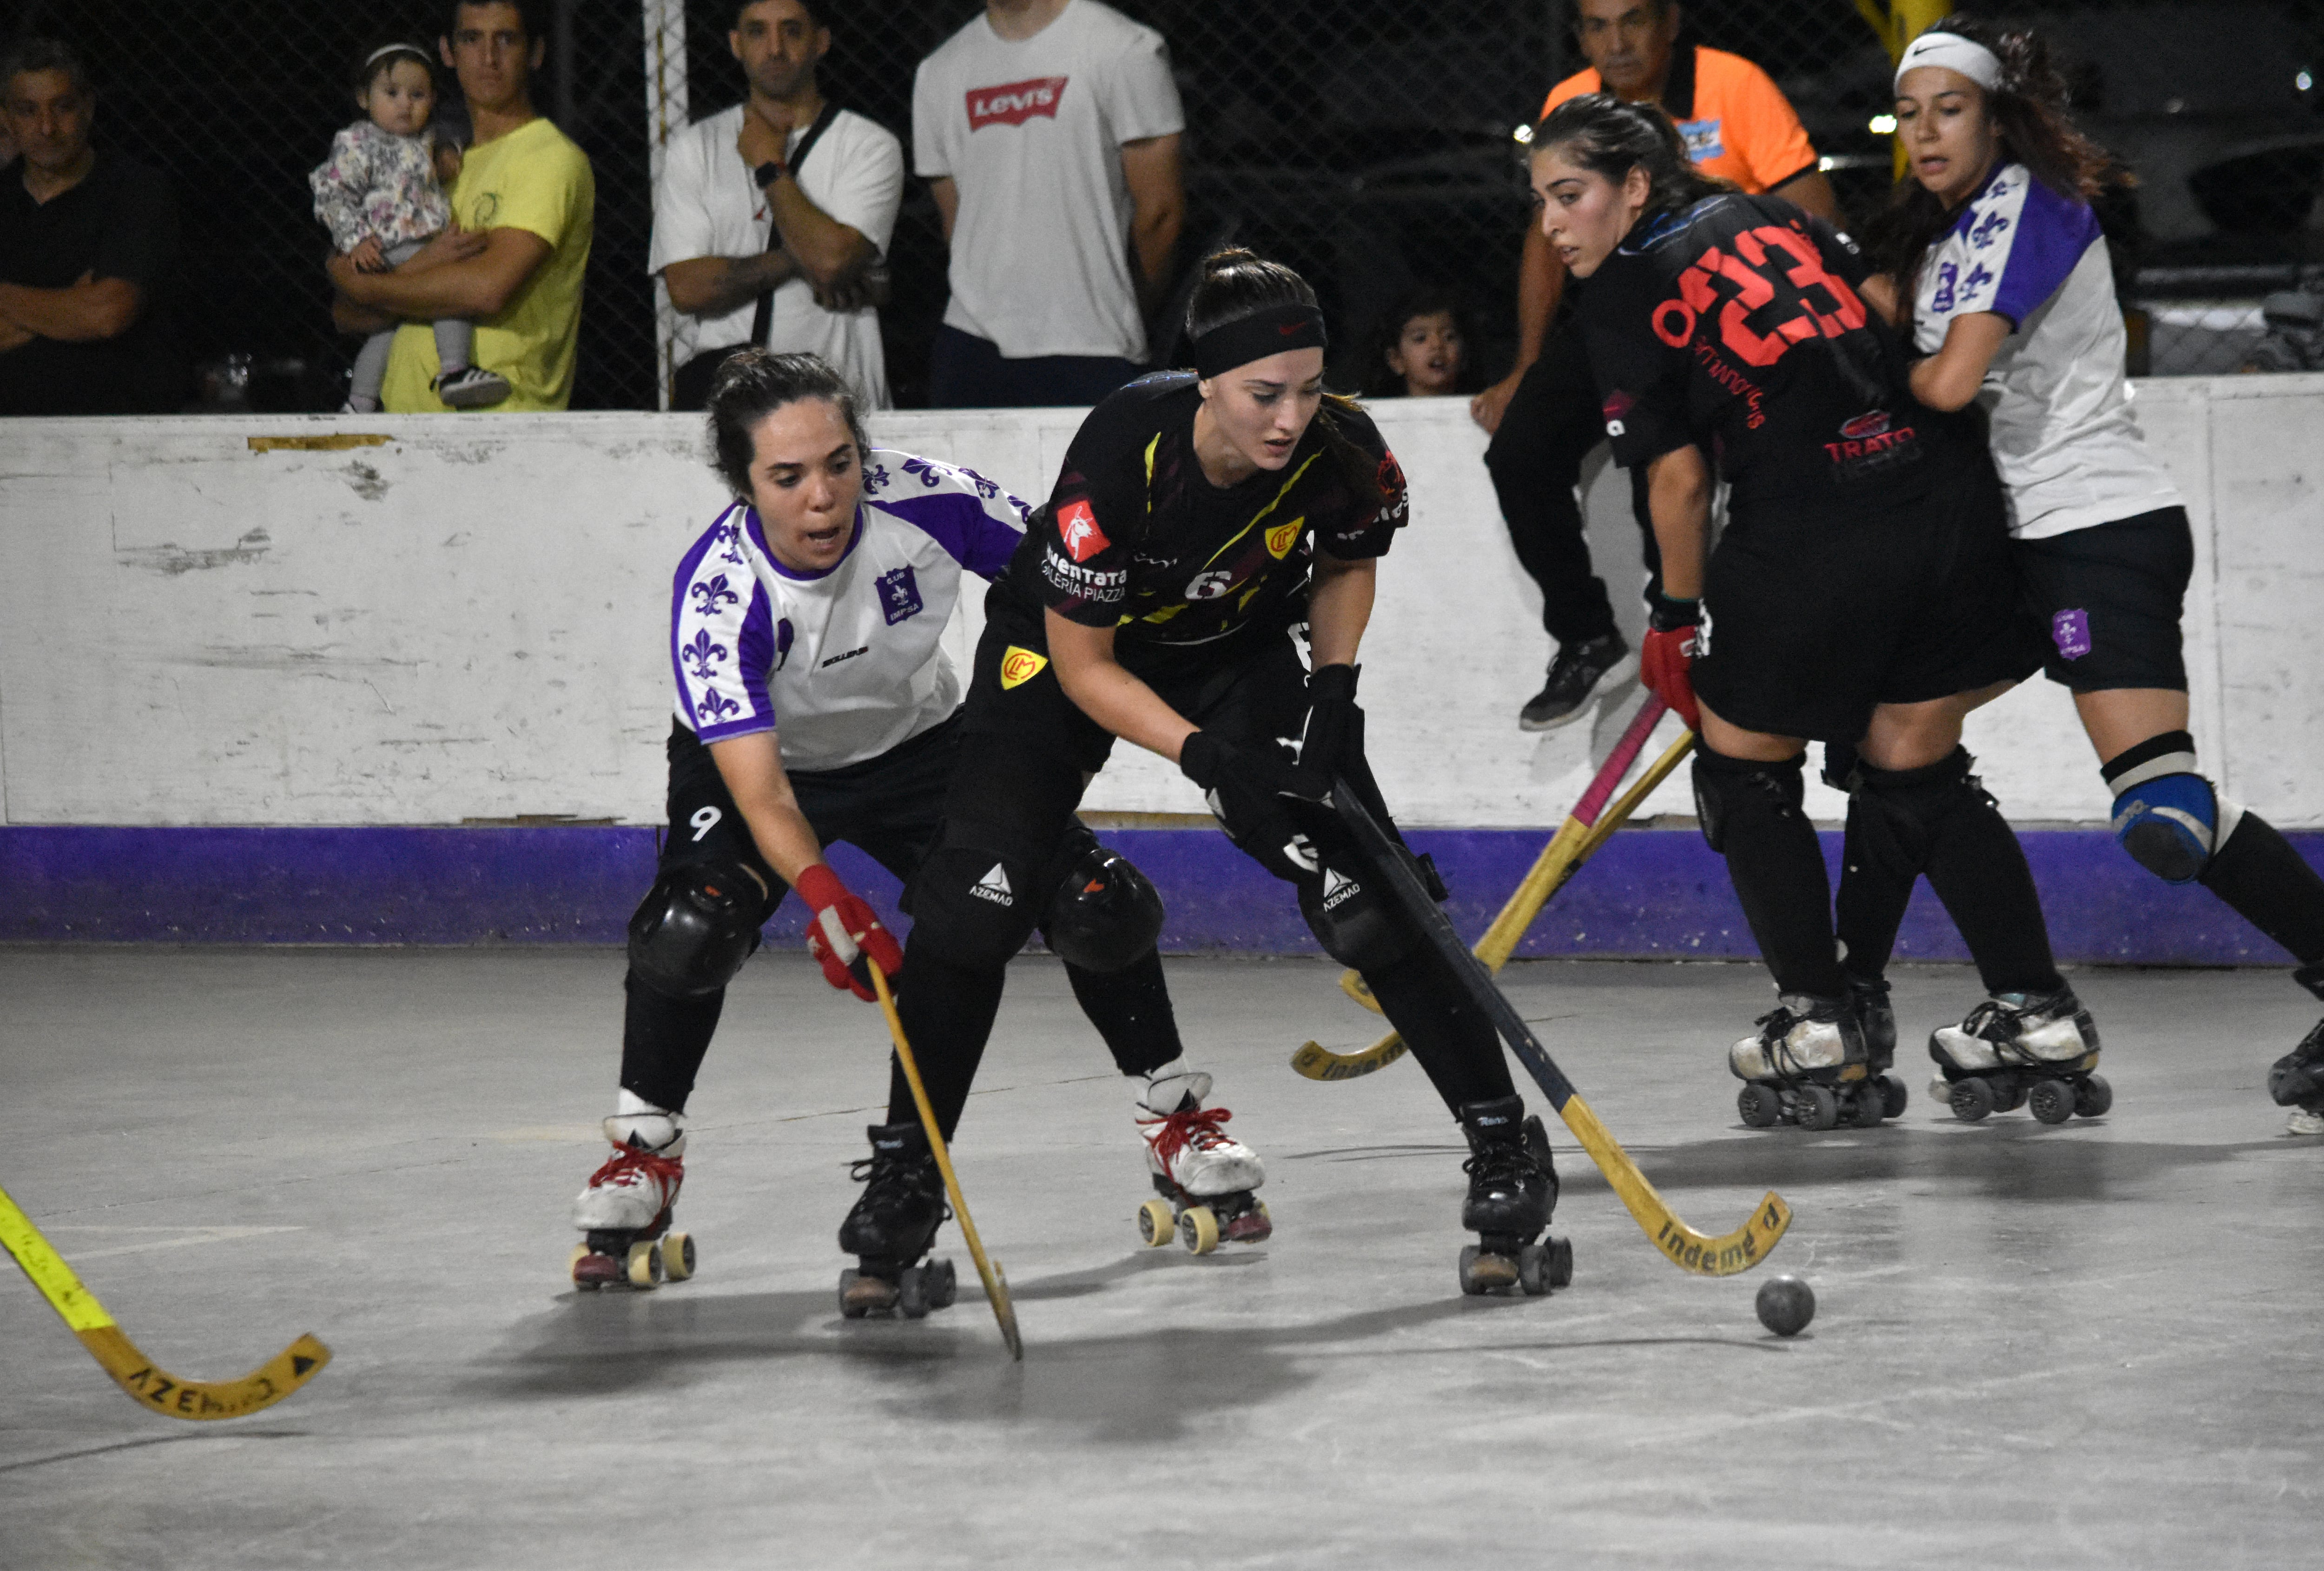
(624, 1214)
(889, 1232)
(1812, 1062)
(2296, 1080)
(2018, 1049)
(1203, 1176)
(1512, 1190)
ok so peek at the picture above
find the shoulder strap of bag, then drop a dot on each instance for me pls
(765, 313)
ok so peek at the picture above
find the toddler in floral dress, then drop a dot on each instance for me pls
(379, 196)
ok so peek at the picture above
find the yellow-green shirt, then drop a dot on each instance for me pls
(534, 178)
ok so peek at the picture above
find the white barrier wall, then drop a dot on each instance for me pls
(367, 620)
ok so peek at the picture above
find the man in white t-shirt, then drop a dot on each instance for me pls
(726, 178)
(1048, 132)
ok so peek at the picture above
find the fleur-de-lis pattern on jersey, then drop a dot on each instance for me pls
(1991, 226)
(709, 596)
(875, 479)
(930, 472)
(702, 654)
(713, 706)
(730, 543)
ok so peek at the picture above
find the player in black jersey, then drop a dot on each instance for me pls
(1199, 521)
(1862, 594)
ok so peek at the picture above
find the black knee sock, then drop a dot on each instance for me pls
(2270, 886)
(1873, 890)
(1131, 1010)
(947, 1012)
(1451, 1038)
(1978, 869)
(1751, 814)
(663, 1040)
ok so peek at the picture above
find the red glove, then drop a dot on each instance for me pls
(844, 933)
(1667, 659)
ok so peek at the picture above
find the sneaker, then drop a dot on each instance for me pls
(471, 387)
(1575, 675)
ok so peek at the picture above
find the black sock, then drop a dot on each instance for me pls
(947, 1012)
(1875, 888)
(1131, 1010)
(1451, 1038)
(2270, 886)
(1754, 818)
(663, 1040)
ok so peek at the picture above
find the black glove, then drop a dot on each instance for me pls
(1248, 790)
(1333, 742)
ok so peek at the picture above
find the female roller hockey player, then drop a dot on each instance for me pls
(1199, 519)
(1861, 594)
(817, 601)
(1992, 250)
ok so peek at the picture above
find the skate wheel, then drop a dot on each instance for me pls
(573, 1268)
(1156, 1225)
(1469, 1282)
(940, 1282)
(1762, 1107)
(912, 1293)
(1893, 1096)
(1561, 1262)
(2008, 1093)
(1545, 1267)
(2093, 1096)
(849, 1305)
(1482, 1271)
(1819, 1108)
(1866, 1106)
(678, 1255)
(1972, 1099)
(2052, 1101)
(1198, 1229)
(643, 1268)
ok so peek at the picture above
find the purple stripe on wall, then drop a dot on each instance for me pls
(1649, 893)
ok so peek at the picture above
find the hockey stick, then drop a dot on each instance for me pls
(996, 1286)
(1318, 1062)
(137, 1375)
(1557, 861)
(1685, 1248)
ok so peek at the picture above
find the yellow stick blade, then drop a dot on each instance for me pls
(1352, 982)
(164, 1392)
(1683, 1246)
(1318, 1062)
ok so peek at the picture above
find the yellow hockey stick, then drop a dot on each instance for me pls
(996, 1286)
(137, 1375)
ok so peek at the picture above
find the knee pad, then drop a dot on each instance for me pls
(1104, 913)
(1897, 812)
(2169, 818)
(695, 929)
(1731, 790)
(974, 907)
(1355, 919)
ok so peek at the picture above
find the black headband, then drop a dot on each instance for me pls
(1256, 336)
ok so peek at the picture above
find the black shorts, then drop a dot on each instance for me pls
(888, 807)
(1812, 621)
(2106, 601)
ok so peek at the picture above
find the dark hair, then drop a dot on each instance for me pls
(1610, 138)
(1234, 283)
(2029, 110)
(533, 13)
(44, 54)
(814, 10)
(372, 61)
(1422, 299)
(753, 385)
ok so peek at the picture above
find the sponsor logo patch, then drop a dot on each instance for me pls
(1014, 103)
(1866, 425)
(1078, 532)
(1019, 665)
(899, 594)
(851, 654)
(2070, 631)
(1283, 537)
(994, 886)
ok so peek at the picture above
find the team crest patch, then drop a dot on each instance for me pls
(2070, 631)
(1019, 665)
(1078, 532)
(1283, 537)
(899, 594)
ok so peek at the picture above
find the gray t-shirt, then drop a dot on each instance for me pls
(1030, 133)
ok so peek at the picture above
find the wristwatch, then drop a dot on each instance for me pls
(768, 172)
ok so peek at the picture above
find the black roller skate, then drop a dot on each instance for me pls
(1204, 1175)
(2016, 1051)
(1512, 1190)
(2296, 1080)
(1812, 1062)
(624, 1212)
(894, 1222)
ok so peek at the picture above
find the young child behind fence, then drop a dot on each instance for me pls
(379, 196)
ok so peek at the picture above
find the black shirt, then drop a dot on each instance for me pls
(121, 221)
(1735, 325)
(1136, 539)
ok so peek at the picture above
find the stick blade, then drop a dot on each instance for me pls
(1352, 982)
(155, 1388)
(1318, 1062)
(1729, 1255)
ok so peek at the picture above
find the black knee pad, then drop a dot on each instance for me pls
(975, 908)
(1104, 912)
(1354, 916)
(695, 929)
(1732, 790)
(1899, 812)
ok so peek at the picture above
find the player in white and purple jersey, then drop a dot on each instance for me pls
(816, 704)
(1994, 248)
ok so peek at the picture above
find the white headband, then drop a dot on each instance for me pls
(1955, 53)
(375, 55)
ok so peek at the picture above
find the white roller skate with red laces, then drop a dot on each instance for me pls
(1202, 1175)
(624, 1214)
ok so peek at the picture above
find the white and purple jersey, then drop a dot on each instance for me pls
(2064, 438)
(844, 664)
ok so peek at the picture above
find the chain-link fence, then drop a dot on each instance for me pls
(1365, 142)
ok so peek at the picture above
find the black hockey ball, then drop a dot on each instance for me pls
(1785, 1305)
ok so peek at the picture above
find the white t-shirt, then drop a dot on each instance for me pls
(2064, 438)
(845, 664)
(1031, 133)
(707, 205)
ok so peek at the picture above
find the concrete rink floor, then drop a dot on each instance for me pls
(2091, 1346)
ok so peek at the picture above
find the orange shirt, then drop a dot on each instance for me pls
(1738, 124)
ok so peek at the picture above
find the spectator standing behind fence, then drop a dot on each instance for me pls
(379, 196)
(771, 220)
(1048, 132)
(1421, 348)
(88, 239)
(1545, 415)
(524, 210)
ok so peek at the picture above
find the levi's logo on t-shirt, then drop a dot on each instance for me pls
(1014, 103)
(1078, 532)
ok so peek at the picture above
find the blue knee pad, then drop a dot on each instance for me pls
(2171, 824)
